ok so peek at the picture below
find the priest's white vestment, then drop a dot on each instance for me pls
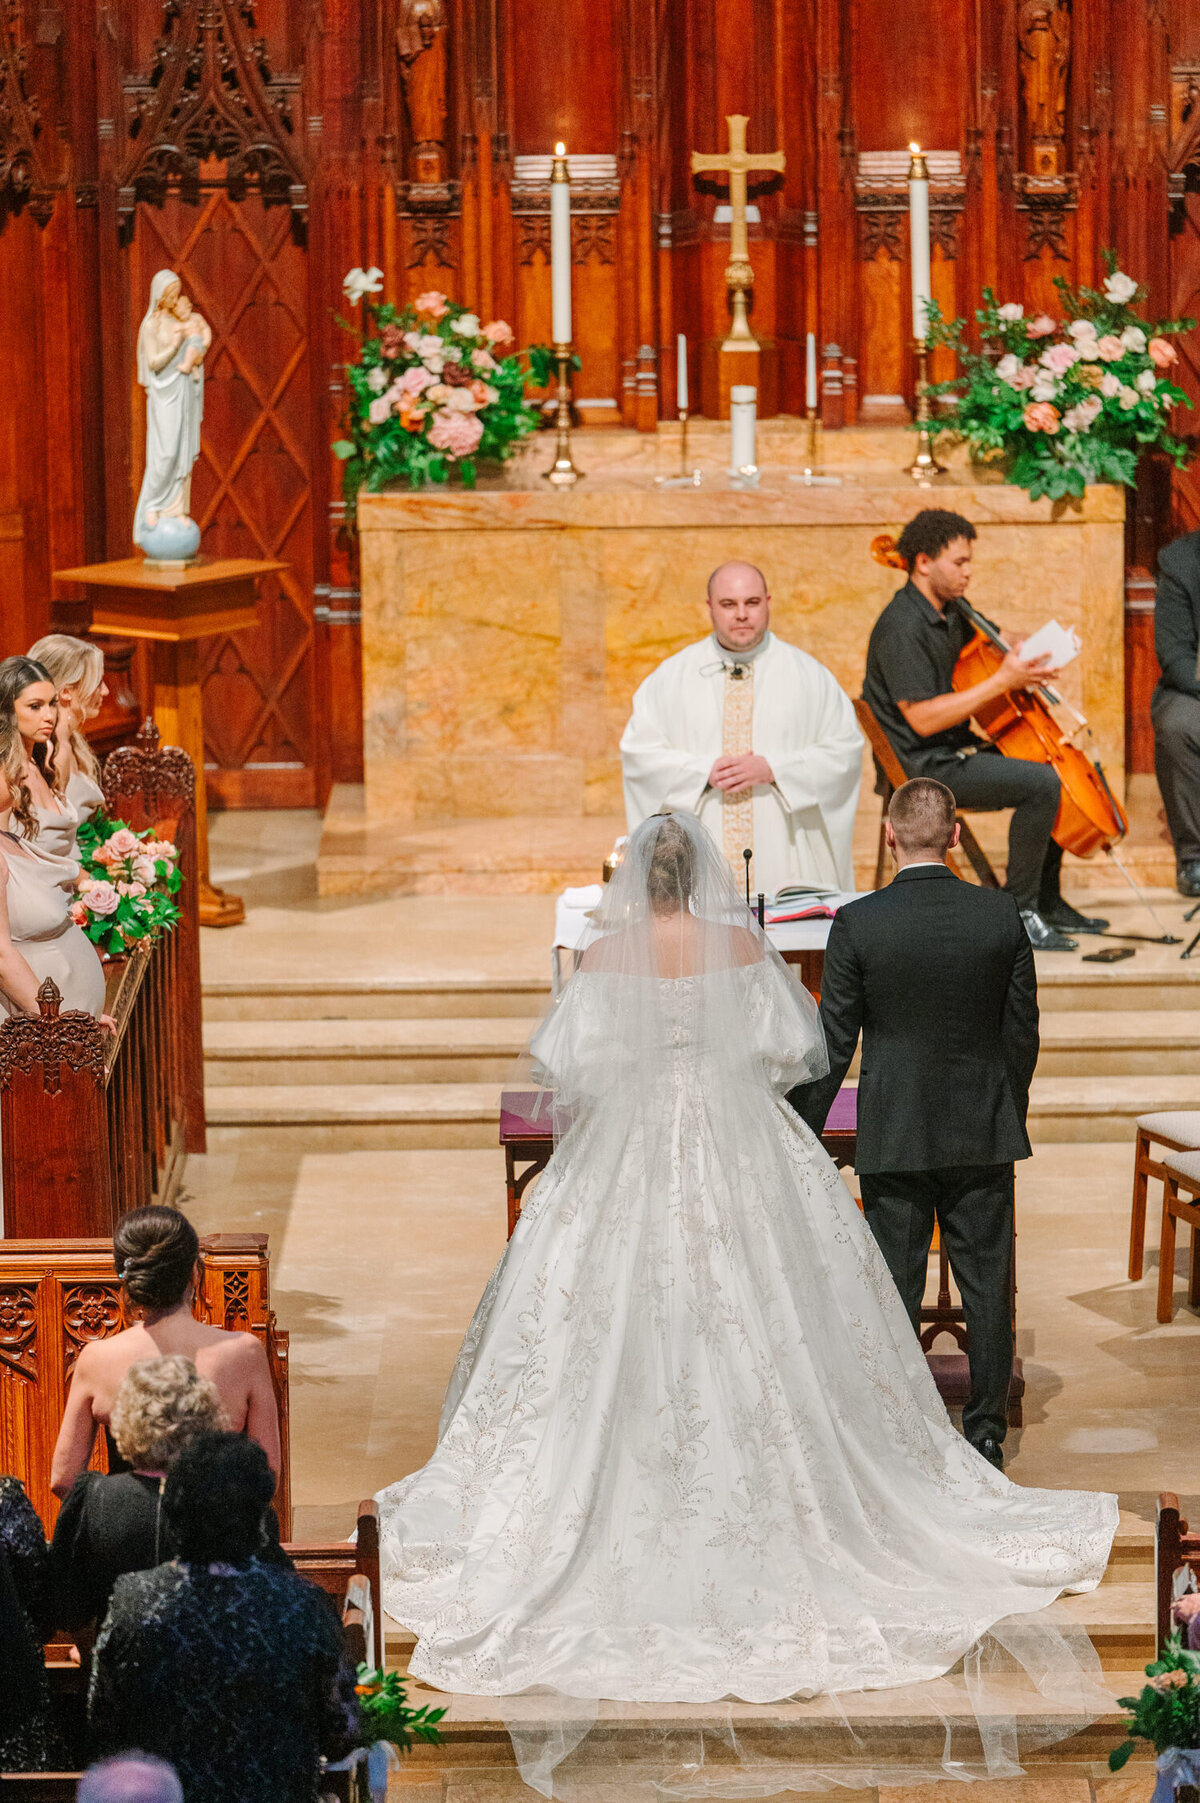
(802, 825)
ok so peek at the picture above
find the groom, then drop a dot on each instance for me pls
(938, 977)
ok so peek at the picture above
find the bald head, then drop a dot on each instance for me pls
(739, 605)
(130, 1778)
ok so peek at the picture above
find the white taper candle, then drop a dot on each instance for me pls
(918, 225)
(681, 387)
(560, 246)
(810, 372)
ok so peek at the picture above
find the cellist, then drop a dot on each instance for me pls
(914, 646)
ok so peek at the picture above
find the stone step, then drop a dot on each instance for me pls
(442, 1116)
(368, 998)
(1100, 1043)
(396, 1051)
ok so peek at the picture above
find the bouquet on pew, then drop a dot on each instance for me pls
(1167, 1714)
(386, 1714)
(126, 885)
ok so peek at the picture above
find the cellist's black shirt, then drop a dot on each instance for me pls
(911, 657)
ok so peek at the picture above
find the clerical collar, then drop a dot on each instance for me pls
(741, 657)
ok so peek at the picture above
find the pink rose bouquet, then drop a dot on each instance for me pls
(430, 396)
(127, 884)
(1101, 395)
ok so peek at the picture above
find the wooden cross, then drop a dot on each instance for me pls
(739, 276)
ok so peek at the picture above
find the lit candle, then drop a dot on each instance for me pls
(681, 389)
(743, 406)
(560, 246)
(918, 226)
(810, 373)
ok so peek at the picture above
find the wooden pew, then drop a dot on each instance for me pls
(342, 1567)
(93, 1123)
(56, 1295)
(1175, 1546)
(39, 1787)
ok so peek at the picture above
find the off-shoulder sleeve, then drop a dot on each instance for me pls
(786, 1032)
(575, 1047)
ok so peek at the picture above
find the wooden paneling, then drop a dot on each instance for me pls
(387, 133)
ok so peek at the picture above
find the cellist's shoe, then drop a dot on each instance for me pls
(1061, 914)
(1042, 936)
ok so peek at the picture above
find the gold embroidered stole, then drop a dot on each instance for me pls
(737, 736)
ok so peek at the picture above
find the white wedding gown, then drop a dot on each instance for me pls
(691, 1449)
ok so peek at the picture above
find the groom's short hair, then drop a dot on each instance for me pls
(922, 813)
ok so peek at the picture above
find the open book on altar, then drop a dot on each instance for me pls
(805, 901)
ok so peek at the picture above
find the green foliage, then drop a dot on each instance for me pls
(144, 877)
(455, 356)
(543, 364)
(1055, 429)
(1167, 1713)
(383, 1705)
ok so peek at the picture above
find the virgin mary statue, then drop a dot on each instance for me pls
(171, 343)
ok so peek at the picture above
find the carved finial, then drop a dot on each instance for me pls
(49, 997)
(147, 738)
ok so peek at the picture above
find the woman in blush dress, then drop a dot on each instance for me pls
(76, 668)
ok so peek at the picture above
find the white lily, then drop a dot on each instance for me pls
(362, 281)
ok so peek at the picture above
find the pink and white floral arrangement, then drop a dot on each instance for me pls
(430, 393)
(1066, 401)
(126, 884)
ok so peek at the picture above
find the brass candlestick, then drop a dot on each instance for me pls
(814, 426)
(562, 472)
(925, 466)
(687, 478)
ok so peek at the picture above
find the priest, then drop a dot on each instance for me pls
(756, 737)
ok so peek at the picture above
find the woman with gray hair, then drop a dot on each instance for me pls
(111, 1522)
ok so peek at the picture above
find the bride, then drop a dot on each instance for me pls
(691, 1449)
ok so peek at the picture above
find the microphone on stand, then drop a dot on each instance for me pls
(762, 910)
(748, 854)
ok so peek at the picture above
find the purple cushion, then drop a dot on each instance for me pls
(843, 1111)
(521, 1118)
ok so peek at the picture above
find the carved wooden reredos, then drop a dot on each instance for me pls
(262, 148)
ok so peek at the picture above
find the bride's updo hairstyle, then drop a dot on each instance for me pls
(671, 876)
(155, 1252)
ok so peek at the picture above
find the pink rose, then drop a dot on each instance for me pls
(414, 381)
(1040, 416)
(497, 331)
(143, 869)
(160, 848)
(124, 843)
(483, 360)
(1058, 358)
(105, 855)
(432, 303)
(79, 913)
(1110, 348)
(1162, 353)
(101, 899)
(456, 433)
(413, 341)
(380, 409)
(1041, 327)
(461, 400)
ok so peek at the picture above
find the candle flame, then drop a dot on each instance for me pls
(560, 150)
(915, 149)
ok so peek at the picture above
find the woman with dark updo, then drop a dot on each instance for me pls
(156, 1251)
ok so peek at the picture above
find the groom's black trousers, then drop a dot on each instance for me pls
(973, 1206)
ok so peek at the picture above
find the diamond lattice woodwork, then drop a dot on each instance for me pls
(252, 484)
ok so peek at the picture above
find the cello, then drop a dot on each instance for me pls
(1021, 724)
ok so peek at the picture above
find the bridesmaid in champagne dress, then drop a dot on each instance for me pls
(45, 820)
(76, 669)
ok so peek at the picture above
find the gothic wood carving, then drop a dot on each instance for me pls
(91, 1311)
(1044, 42)
(421, 51)
(592, 236)
(74, 1039)
(165, 775)
(210, 96)
(533, 238)
(18, 1328)
(24, 178)
(430, 242)
(1046, 202)
(882, 224)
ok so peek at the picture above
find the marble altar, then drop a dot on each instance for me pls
(505, 629)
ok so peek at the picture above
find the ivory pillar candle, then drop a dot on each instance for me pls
(681, 387)
(743, 399)
(560, 246)
(918, 226)
(810, 372)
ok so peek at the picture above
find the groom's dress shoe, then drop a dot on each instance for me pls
(992, 1452)
(1060, 914)
(1042, 936)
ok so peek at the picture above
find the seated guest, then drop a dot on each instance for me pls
(76, 668)
(228, 1666)
(28, 1741)
(38, 937)
(130, 1778)
(111, 1524)
(156, 1252)
(1175, 708)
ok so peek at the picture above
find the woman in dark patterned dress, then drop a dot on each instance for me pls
(28, 1739)
(230, 1668)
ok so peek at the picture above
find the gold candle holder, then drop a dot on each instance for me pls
(925, 465)
(687, 477)
(562, 472)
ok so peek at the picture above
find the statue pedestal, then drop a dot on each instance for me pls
(174, 609)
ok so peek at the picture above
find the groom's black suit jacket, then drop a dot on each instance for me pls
(938, 977)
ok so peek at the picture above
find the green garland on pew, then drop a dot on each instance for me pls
(386, 1714)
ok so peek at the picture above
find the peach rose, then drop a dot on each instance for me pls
(457, 433)
(1110, 347)
(497, 331)
(79, 913)
(414, 381)
(1041, 327)
(102, 899)
(432, 303)
(1162, 353)
(1040, 416)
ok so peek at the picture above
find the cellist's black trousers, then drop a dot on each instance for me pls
(988, 780)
